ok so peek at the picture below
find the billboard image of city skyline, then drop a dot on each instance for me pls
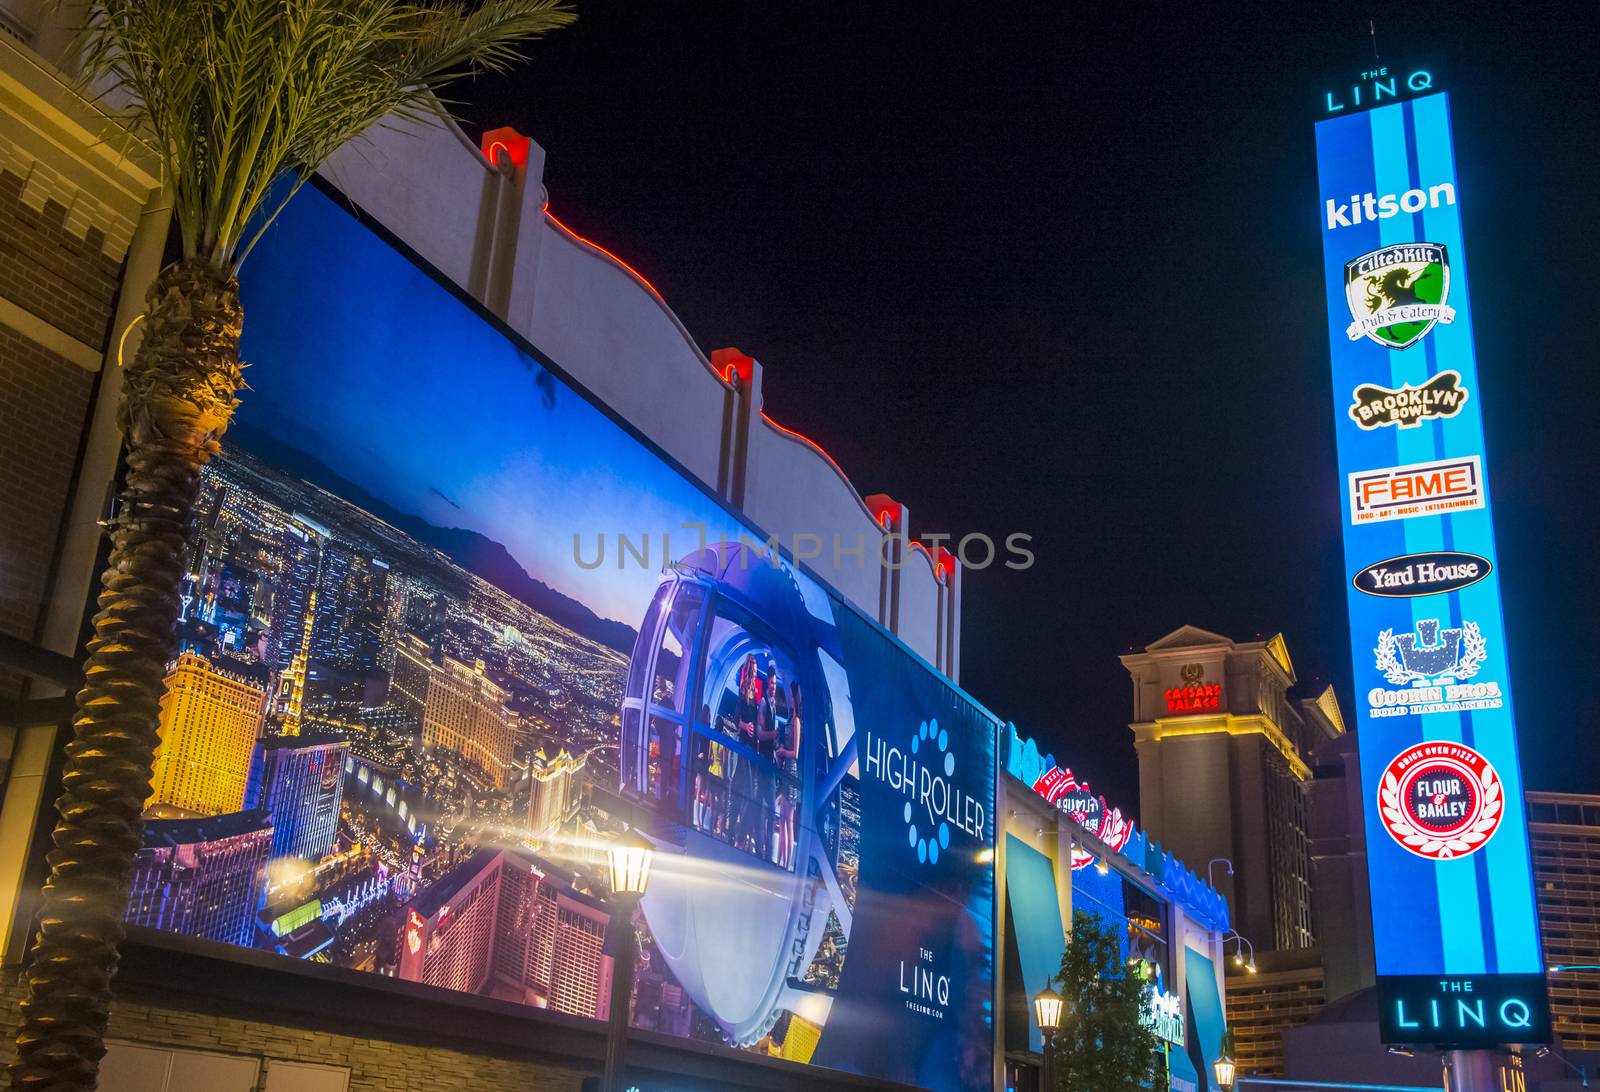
(409, 710)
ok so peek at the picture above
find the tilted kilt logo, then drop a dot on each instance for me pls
(1408, 407)
(925, 772)
(1435, 665)
(1441, 800)
(1397, 293)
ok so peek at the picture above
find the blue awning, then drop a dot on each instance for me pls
(1183, 1078)
(1036, 915)
(1205, 1011)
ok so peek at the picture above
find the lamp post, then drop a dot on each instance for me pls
(629, 857)
(1213, 863)
(1224, 1068)
(1047, 1005)
(1238, 953)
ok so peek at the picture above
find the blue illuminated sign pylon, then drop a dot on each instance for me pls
(1454, 917)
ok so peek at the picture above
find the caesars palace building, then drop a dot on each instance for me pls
(361, 694)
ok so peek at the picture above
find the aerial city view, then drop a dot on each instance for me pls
(366, 744)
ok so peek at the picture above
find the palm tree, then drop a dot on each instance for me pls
(242, 100)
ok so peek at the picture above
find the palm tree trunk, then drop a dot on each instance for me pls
(177, 399)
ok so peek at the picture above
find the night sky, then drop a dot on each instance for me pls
(1057, 270)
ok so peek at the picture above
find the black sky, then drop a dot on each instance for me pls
(1056, 268)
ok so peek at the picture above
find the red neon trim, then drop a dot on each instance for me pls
(883, 518)
(592, 245)
(809, 442)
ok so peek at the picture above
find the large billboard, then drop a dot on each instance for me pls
(449, 628)
(1454, 923)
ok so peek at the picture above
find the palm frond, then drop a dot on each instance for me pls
(235, 94)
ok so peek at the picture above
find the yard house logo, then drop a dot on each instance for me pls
(1417, 489)
(1422, 574)
(925, 773)
(1408, 407)
(1439, 669)
(1441, 800)
(1397, 293)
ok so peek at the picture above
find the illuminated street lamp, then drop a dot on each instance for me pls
(1047, 1006)
(629, 857)
(1224, 1068)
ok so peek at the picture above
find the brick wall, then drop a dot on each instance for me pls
(376, 1064)
(57, 269)
(61, 274)
(44, 399)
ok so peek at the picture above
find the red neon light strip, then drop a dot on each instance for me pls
(938, 566)
(592, 245)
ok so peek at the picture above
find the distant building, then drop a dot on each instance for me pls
(504, 926)
(1564, 829)
(201, 877)
(211, 715)
(461, 709)
(299, 782)
(1287, 989)
(554, 792)
(1225, 760)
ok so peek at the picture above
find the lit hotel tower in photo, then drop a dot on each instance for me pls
(292, 686)
(460, 708)
(500, 926)
(211, 716)
(299, 782)
(201, 877)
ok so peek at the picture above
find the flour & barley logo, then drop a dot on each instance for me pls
(1441, 800)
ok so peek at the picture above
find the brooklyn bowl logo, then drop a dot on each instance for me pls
(1441, 800)
(1407, 407)
(1397, 293)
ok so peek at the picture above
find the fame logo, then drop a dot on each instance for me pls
(1417, 489)
(1434, 665)
(1408, 407)
(1441, 800)
(1397, 293)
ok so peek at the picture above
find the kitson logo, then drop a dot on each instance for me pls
(924, 771)
(1366, 207)
(1422, 574)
